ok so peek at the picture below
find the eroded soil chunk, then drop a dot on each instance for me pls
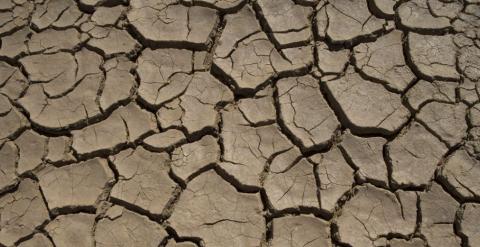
(143, 179)
(352, 96)
(122, 227)
(213, 123)
(75, 186)
(212, 210)
(22, 211)
(372, 213)
(305, 112)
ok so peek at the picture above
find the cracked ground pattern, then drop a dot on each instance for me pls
(238, 123)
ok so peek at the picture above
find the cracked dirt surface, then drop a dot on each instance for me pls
(215, 123)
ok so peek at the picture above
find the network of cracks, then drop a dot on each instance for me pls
(188, 123)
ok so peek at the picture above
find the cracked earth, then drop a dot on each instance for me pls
(236, 123)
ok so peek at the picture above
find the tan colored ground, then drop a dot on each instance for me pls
(238, 123)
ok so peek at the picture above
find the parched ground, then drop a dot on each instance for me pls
(238, 123)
